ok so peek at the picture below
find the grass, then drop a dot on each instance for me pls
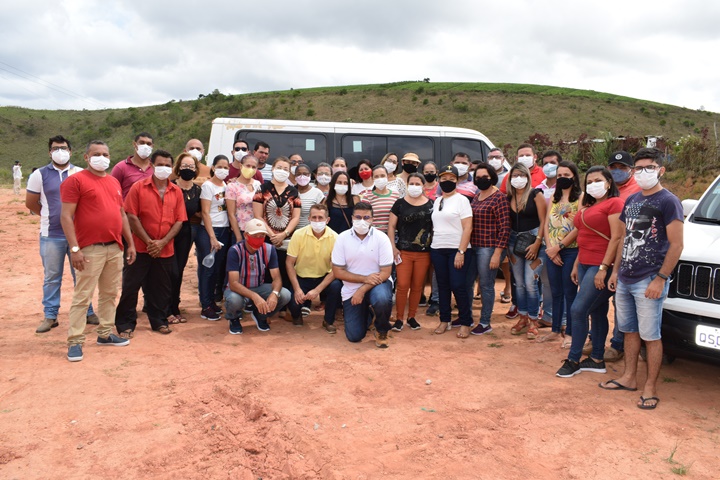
(678, 468)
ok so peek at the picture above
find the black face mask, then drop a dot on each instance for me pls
(187, 174)
(409, 168)
(448, 186)
(564, 182)
(483, 183)
(430, 177)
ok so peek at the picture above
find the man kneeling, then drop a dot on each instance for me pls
(247, 262)
(362, 259)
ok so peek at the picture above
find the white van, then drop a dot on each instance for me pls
(324, 141)
(691, 313)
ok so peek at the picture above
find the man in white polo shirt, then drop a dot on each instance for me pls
(362, 259)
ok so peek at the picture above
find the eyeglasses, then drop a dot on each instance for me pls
(495, 157)
(367, 218)
(187, 167)
(648, 169)
(243, 149)
(56, 149)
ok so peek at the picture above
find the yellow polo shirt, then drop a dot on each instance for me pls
(313, 255)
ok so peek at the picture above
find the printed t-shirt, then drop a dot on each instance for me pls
(414, 226)
(218, 209)
(251, 266)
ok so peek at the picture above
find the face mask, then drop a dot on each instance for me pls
(361, 226)
(323, 179)
(196, 154)
(293, 169)
(646, 180)
(162, 173)
(495, 163)
(187, 174)
(565, 182)
(281, 175)
(221, 173)
(144, 151)
(526, 160)
(338, 169)
(620, 176)
(254, 242)
(409, 168)
(380, 183)
(483, 183)
(550, 170)
(518, 182)
(448, 186)
(415, 190)
(461, 168)
(302, 180)
(61, 157)
(365, 174)
(430, 177)
(239, 155)
(99, 163)
(390, 167)
(596, 189)
(318, 227)
(247, 172)
(341, 189)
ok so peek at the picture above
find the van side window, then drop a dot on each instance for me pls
(356, 147)
(475, 148)
(423, 146)
(311, 146)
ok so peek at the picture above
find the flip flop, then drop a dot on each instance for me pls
(618, 386)
(173, 320)
(643, 405)
(505, 298)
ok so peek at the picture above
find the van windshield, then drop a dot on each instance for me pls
(709, 208)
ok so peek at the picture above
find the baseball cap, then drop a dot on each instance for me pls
(255, 226)
(448, 169)
(621, 157)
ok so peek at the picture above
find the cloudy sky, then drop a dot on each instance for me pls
(113, 53)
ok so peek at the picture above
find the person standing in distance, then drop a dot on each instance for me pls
(17, 177)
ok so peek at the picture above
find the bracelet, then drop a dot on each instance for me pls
(663, 276)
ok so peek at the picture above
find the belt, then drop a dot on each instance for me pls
(103, 244)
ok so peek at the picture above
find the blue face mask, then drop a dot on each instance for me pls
(620, 176)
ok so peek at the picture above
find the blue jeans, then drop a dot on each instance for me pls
(471, 276)
(618, 339)
(635, 313)
(331, 296)
(207, 277)
(526, 277)
(53, 251)
(593, 303)
(434, 294)
(235, 303)
(453, 281)
(377, 303)
(487, 281)
(563, 289)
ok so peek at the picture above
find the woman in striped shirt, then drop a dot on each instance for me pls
(381, 198)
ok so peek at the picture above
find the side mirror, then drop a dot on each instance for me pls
(688, 206)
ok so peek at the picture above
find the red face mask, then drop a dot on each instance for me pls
(254, 242)
(365, 174)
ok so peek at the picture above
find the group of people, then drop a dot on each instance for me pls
(278, 236)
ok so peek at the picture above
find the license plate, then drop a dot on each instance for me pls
(707, 336)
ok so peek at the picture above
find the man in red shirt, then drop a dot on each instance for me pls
(620, 165)
(137, 166)
(156, 211)
(94, 223)
(527, 156)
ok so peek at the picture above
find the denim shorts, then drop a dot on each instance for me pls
(635, 313)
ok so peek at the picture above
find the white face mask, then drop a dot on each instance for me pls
(293, 169)
(341, 189)
(361, 226)
(162, 173)
(281, 175)
(461, 168)
(196, 154)
(415, 190)
(99, 163)
(323, 179)
(144, 151)
(239, 155)
(61, 157)
(495, 163)
(518, 182)
(390, 167)
(380, 183)
(318, 227)
(527, 160)
(647, 180)
(596, 189)
(550, 170)
(302, 180)
(221, 173)
(338, 169)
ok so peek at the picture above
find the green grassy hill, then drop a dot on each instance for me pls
(507, 113)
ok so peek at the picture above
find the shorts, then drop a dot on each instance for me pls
(635, 313)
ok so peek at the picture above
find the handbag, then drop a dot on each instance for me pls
(524, 240)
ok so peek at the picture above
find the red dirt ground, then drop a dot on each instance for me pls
(299, 403)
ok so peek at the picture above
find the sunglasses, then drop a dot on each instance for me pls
(243, 149)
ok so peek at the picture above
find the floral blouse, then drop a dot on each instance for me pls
(243, 197)
(561, 221)
(277, 207)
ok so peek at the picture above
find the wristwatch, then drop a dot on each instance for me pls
(602, 267)
(277, 294)
(461, 252)
(287, 233)
(561, 246)
(75, 249)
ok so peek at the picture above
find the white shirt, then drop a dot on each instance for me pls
(308, 199)
(267, 172)
(17, 172)
(218, 209)
(361, 257)
(359, 188)
(447, 223)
